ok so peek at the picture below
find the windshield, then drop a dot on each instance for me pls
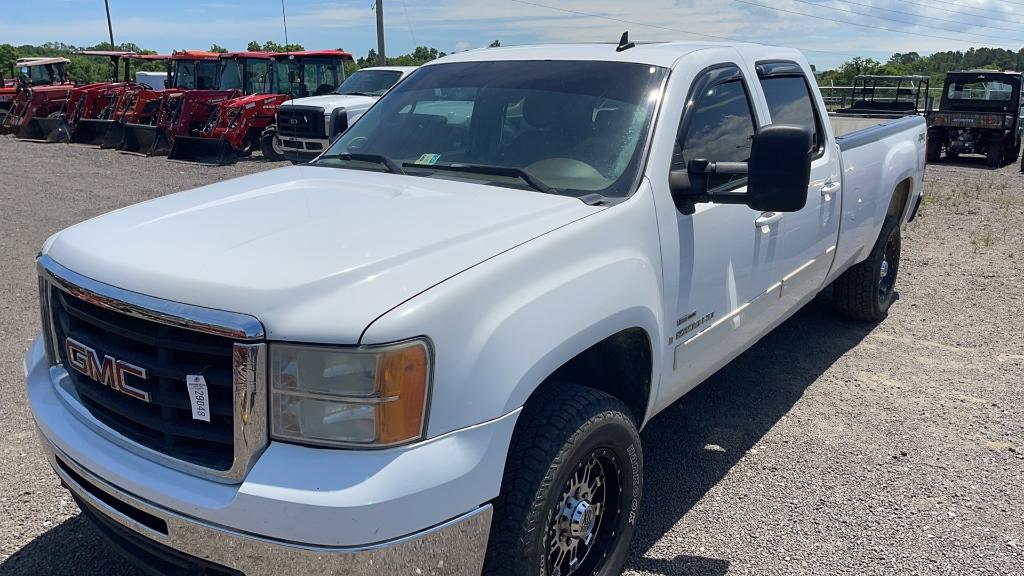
(196, 74)
(980, 89)
(44, 74)
(369, 82)
(572, 128)
(308, 76)
(250, 75)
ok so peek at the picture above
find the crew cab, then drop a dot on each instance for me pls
(431, 349)
(306, 126)
(980, 112)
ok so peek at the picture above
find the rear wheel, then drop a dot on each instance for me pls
(571, 488)
(994, 157)
(867, 290)
(270, 146)
(934, 150)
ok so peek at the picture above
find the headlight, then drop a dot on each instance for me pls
(367, 397)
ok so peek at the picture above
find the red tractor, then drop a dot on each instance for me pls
(40, 89)
(38, 71)
(237, 125)
(190, 71)
(201, 82)
(88, 101)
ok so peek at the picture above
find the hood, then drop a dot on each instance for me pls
(333, 101)
(315, 253)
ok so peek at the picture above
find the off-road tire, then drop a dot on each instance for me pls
(994, 156)
(934, 150)
(558, 429)
(267, 146)
(858, 293)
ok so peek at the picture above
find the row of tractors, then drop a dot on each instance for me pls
(213, 108)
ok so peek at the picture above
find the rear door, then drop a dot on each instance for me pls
(809, 236)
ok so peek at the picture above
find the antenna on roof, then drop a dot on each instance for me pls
(624, 43)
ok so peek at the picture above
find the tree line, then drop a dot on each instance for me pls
(934, 66)
(85, 69)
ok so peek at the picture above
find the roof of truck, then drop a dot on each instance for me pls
(149, 56)
(654, 53)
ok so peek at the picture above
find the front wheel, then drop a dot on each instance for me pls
(270, 146)
(867, 290)
(571, 490)
(934, 150)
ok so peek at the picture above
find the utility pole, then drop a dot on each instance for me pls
(381, 59)
(110, 27)
(285, 20)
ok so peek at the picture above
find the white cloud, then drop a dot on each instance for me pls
(462, 46)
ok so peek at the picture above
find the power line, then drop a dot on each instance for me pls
(827, 7)
(985, 13)
(916, 15)
(659, 27)
(848, 23)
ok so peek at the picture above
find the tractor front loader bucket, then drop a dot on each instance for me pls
(214, 151)
(114, 136)
(91, 131)
(52, 128)
(140, 138)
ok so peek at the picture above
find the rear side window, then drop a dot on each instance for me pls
(789, 102)
(721, 130)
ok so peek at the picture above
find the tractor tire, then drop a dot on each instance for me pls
(867, 290)
(571, 490)
(1011, 154)
(994, 156)
(271, 147)
(934, 150)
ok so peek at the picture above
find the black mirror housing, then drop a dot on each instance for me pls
(778, 174)
(779, 170)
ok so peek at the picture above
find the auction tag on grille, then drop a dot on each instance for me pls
(200, 397)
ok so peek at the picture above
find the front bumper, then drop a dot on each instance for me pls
(454, 547)
(303, 148)
(413, 507)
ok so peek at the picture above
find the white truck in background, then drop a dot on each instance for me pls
(305, 126)
(431, 349)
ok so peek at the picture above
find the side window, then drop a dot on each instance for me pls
(721, 129)
(789, 102)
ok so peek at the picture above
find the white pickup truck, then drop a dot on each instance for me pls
(305, 126)
(430, 350)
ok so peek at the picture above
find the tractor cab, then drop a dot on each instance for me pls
(40, 71)
(89, 101)
(309, 73)
(40, 88)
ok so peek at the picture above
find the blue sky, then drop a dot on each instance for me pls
(836, 29)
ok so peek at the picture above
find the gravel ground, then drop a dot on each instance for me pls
(828, 448)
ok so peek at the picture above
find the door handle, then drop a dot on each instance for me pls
(829, 189)
(766, 219)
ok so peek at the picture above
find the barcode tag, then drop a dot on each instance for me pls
(200, 397)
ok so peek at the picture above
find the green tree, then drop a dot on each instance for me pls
(218, 48)
(8, 56)
(495, 44)
(271, 46)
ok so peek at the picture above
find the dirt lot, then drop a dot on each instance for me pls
(828, 448)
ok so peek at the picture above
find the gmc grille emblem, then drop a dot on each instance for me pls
(110, 371)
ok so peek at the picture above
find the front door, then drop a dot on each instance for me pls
(729, 275)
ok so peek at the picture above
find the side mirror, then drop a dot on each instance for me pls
(778, 174)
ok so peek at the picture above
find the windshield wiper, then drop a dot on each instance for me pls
(388, 163)
(508, 171)
(357, 94)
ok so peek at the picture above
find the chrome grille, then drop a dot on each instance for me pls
(169, 341)
(301, 122)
